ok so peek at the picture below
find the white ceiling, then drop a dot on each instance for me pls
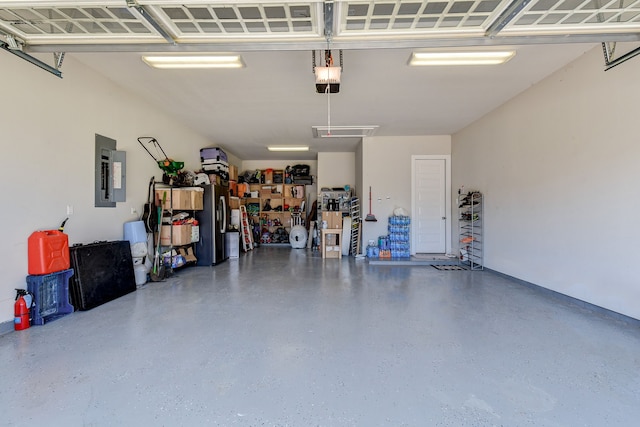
(272, 101)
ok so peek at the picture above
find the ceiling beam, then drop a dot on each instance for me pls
(319, 44)
(133, 4)
(505, 17)
(31, 59)
(328, 19)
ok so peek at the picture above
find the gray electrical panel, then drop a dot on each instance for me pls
(110, 173)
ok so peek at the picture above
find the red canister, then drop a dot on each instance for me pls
(21, 310)
(48, 252)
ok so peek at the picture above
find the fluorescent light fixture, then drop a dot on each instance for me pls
(288, 148)
(461, 58)
(343, 131)
(194, 61)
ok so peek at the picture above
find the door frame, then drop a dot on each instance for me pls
(447, 196)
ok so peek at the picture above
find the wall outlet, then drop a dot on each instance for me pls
(69, 209)
(134, 211)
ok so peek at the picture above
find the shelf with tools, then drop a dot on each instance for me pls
(470, 226)
(334, 207)
(179, 229)
(272, 206)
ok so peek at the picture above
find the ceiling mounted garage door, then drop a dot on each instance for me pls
(209, 22)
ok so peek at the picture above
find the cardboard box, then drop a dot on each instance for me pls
(334, 219)
(181, 198)
(181, 235)
(332, 251)
(265, 193)
(188, 254)
(197, 199)
(234, 203)
(195, 233)
(233, 173)
(177, 198)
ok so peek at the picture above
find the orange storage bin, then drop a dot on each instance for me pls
(242, 189)
(233, 188)
(48, 252)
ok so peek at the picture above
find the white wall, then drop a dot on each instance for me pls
(386, 167)
(559, 168)
(336, 170)
(48, 132)
(360, 190)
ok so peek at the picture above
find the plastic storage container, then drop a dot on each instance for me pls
(213, 153)
(135, 232)
(48, 252)
(50, 296)
(232, 244)
(140, 273)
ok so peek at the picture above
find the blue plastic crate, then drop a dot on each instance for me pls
(50, 296)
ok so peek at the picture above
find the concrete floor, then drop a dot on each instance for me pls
(282, 338)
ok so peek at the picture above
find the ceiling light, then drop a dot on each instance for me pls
(288, 148)
(343, 131)
(194, 61)
(460, 58)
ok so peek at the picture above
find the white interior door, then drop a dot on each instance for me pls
(429, 198)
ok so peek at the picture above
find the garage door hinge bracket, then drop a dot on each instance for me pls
(58, 57)
(608, 52)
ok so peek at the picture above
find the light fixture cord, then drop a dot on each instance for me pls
(328, 110)
(328, 63)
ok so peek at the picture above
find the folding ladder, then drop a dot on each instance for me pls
(356, 220)
(247, 236)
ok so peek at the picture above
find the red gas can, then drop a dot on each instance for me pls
(48, 252)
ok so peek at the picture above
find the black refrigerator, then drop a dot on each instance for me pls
(213, 220)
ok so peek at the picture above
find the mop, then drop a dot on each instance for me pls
(370, 216)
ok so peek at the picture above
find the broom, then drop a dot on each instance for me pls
(370, 216)
(157, 273)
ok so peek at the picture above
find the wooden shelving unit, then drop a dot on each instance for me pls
(274, 204)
